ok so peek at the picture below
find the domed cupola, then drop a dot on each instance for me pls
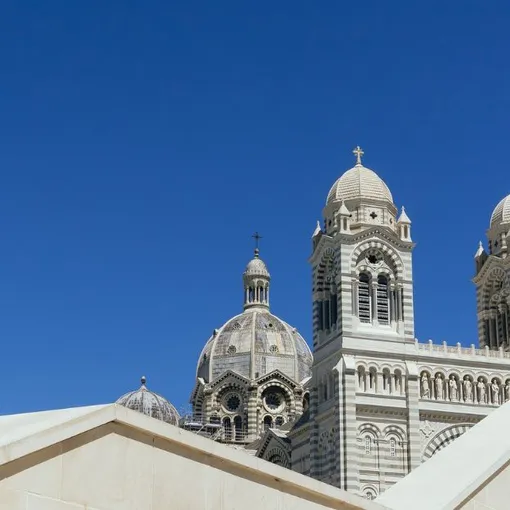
(500, 228)
(150, 404)
(253, 355)
(256, 341)
(365, 195)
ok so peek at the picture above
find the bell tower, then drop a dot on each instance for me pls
(362, 306)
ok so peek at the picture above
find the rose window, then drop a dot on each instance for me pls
(274, 400)
(232, 402)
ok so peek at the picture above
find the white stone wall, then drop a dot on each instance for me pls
(115, 467)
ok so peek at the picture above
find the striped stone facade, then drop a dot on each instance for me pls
(382, 402)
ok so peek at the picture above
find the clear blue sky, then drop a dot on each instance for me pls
(142, 143)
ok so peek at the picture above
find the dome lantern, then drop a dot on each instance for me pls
(256, 279)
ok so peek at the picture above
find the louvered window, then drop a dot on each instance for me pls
(382, 300)
(334, 309)
(364, 298)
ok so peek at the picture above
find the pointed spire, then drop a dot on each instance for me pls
(404, 218)
(317, 230)
(358, 152)
(480, 250)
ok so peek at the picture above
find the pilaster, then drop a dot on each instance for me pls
(413, 419)
(347, 427)
(252, 411)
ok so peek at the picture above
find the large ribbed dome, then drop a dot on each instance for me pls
(501, 213)
(253, 344)
(359, 182)
(150, 404)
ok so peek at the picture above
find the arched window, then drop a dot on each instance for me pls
(362, 379)
(368, 445)
(393, 447)
(333, 305)
(398, 383)
(364, 308)
(386, 381)
(268, 422)
(372, 378)
(238, 424)
(279, 421)
(227, 428)
(383, 300)
(320, 315)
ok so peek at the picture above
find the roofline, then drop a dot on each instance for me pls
(215, 453)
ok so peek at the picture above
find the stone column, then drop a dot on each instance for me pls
(314, 430)
(347, 426)
(391, 298)
(374, 302)
(413, 422)
(252, 410)
(355, 297)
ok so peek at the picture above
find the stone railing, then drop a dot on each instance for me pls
(458, 350)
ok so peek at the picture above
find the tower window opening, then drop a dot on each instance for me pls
(382, 300)
(227, 428)
(268, 422)
(364, 297)
(238, 424)
(320, 306)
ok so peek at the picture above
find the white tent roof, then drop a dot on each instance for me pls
(456, 472)
(24, 434)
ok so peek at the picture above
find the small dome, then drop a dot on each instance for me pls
(150, 404)
(359, 182)
(501, 214)
(254, 344)
(256, 267)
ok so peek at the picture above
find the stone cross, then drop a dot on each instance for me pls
(358, 152)
(257, 238)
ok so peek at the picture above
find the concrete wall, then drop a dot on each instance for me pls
(119, 467)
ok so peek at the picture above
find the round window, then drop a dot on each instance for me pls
(232, 402)
(374, 257)
(274, 400)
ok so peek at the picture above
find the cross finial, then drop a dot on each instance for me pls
(257, 238)
(358, 152)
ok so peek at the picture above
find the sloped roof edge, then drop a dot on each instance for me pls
(44, 429)
(452, 472)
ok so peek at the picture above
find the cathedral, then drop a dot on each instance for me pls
(370, 403)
